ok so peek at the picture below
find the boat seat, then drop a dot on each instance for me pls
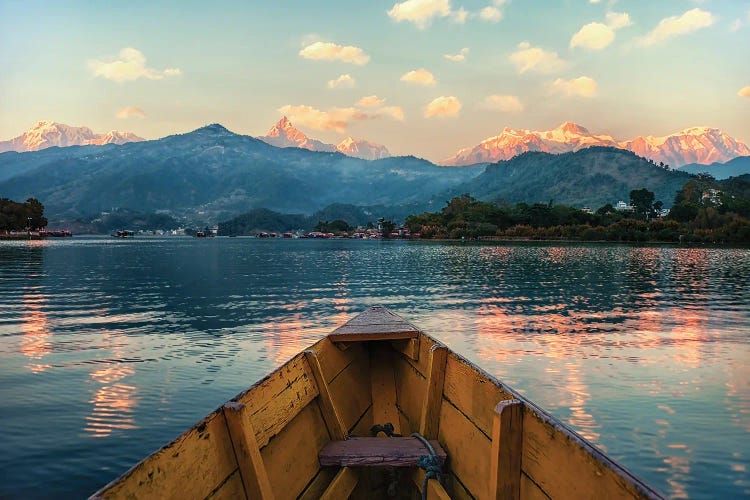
(377, 452)
(376, 323)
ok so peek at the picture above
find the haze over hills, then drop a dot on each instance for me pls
(732, 168)
(46, 134)
(284, 135)
(692, 145)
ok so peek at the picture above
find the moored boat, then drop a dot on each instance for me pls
(378, 409)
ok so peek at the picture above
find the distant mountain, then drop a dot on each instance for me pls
(214, 172)
(732, 168)
(46, 134)
(693, 145)
(590, 177)
(284, 135)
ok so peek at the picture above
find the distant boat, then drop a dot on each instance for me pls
(123, 233)
(374, 397)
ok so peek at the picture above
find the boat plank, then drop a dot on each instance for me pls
(429, 420)
(333, 360)
(530, 491)
(291, 458)
(468, 448)
(383, 389)
(505, 462)
(351, 391)
(331, 416)
(342, 485)
(278, 398)
(375, 323)
(421, 361)
(435, 491)
(373, 451)
(410, 390)
(246, 449)
(230, 490)
(565, 470)
(318, 485)
(472, 392)
(204, 454)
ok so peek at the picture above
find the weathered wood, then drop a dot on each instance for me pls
(558, 463)
(252, 470)
(336, 428)
(203, 454)
(372, 451)
(333, 360)
(410, 390)
(429, 421)
(505, 461)
(350, 391)
(319, 484)
(231, 489)
(468, 448)
(384, 388)
(276, 400)
(408, 347)
(342, 485)
(291, 458)
(375, 323)
(472, 392)
(530, 491)
(435, 491)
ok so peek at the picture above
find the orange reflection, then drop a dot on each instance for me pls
(35, 343)
(114, 402)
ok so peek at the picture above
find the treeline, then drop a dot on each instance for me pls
(705, 210)
(336, 218)
(28, 215)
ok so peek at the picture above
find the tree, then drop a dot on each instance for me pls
(642, 201)
(387, 227)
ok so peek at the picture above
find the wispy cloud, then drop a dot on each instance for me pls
(336, 119)
(343, 81)
(443, 106)
(504, 103)
(419, 76)
(744, 92)
(329, 51)
(583, 86)
(371, 101)
(128, 66)
(130, 112)
(460, 57)
(394, 112)
(669, 27)
(535, 59)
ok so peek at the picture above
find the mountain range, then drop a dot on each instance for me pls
(46, 134)
(284, 135)
(693, 145)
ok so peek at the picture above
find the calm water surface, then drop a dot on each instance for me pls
(111, 348)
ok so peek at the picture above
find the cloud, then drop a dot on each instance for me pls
(419, 76)
(328, 51)
(736, 25)
(460, 16)
(617, 20)
(420, 12)
(442, 107)
(583, 86)
(370, 101)
(504, 103)
(744, 92)
(535, 59)
(130, 112)
(594, 1)
(491, 14)
(597, 36)
(342, 82)
(460, 57)
(337, 119)
(688, 22)
(594, 36)
(130, 65)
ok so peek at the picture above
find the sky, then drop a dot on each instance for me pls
(423, 77)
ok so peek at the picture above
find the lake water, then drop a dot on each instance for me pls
(111, 348)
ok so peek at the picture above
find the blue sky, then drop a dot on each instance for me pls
(624, 68)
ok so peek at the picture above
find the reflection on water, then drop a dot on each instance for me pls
(643, 351)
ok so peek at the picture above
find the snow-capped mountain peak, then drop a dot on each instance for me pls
(45, 134)
(692, 145)
(362, 149)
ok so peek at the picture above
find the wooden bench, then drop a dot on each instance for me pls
(377, 452)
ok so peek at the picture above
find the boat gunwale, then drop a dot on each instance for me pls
(623, 472)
